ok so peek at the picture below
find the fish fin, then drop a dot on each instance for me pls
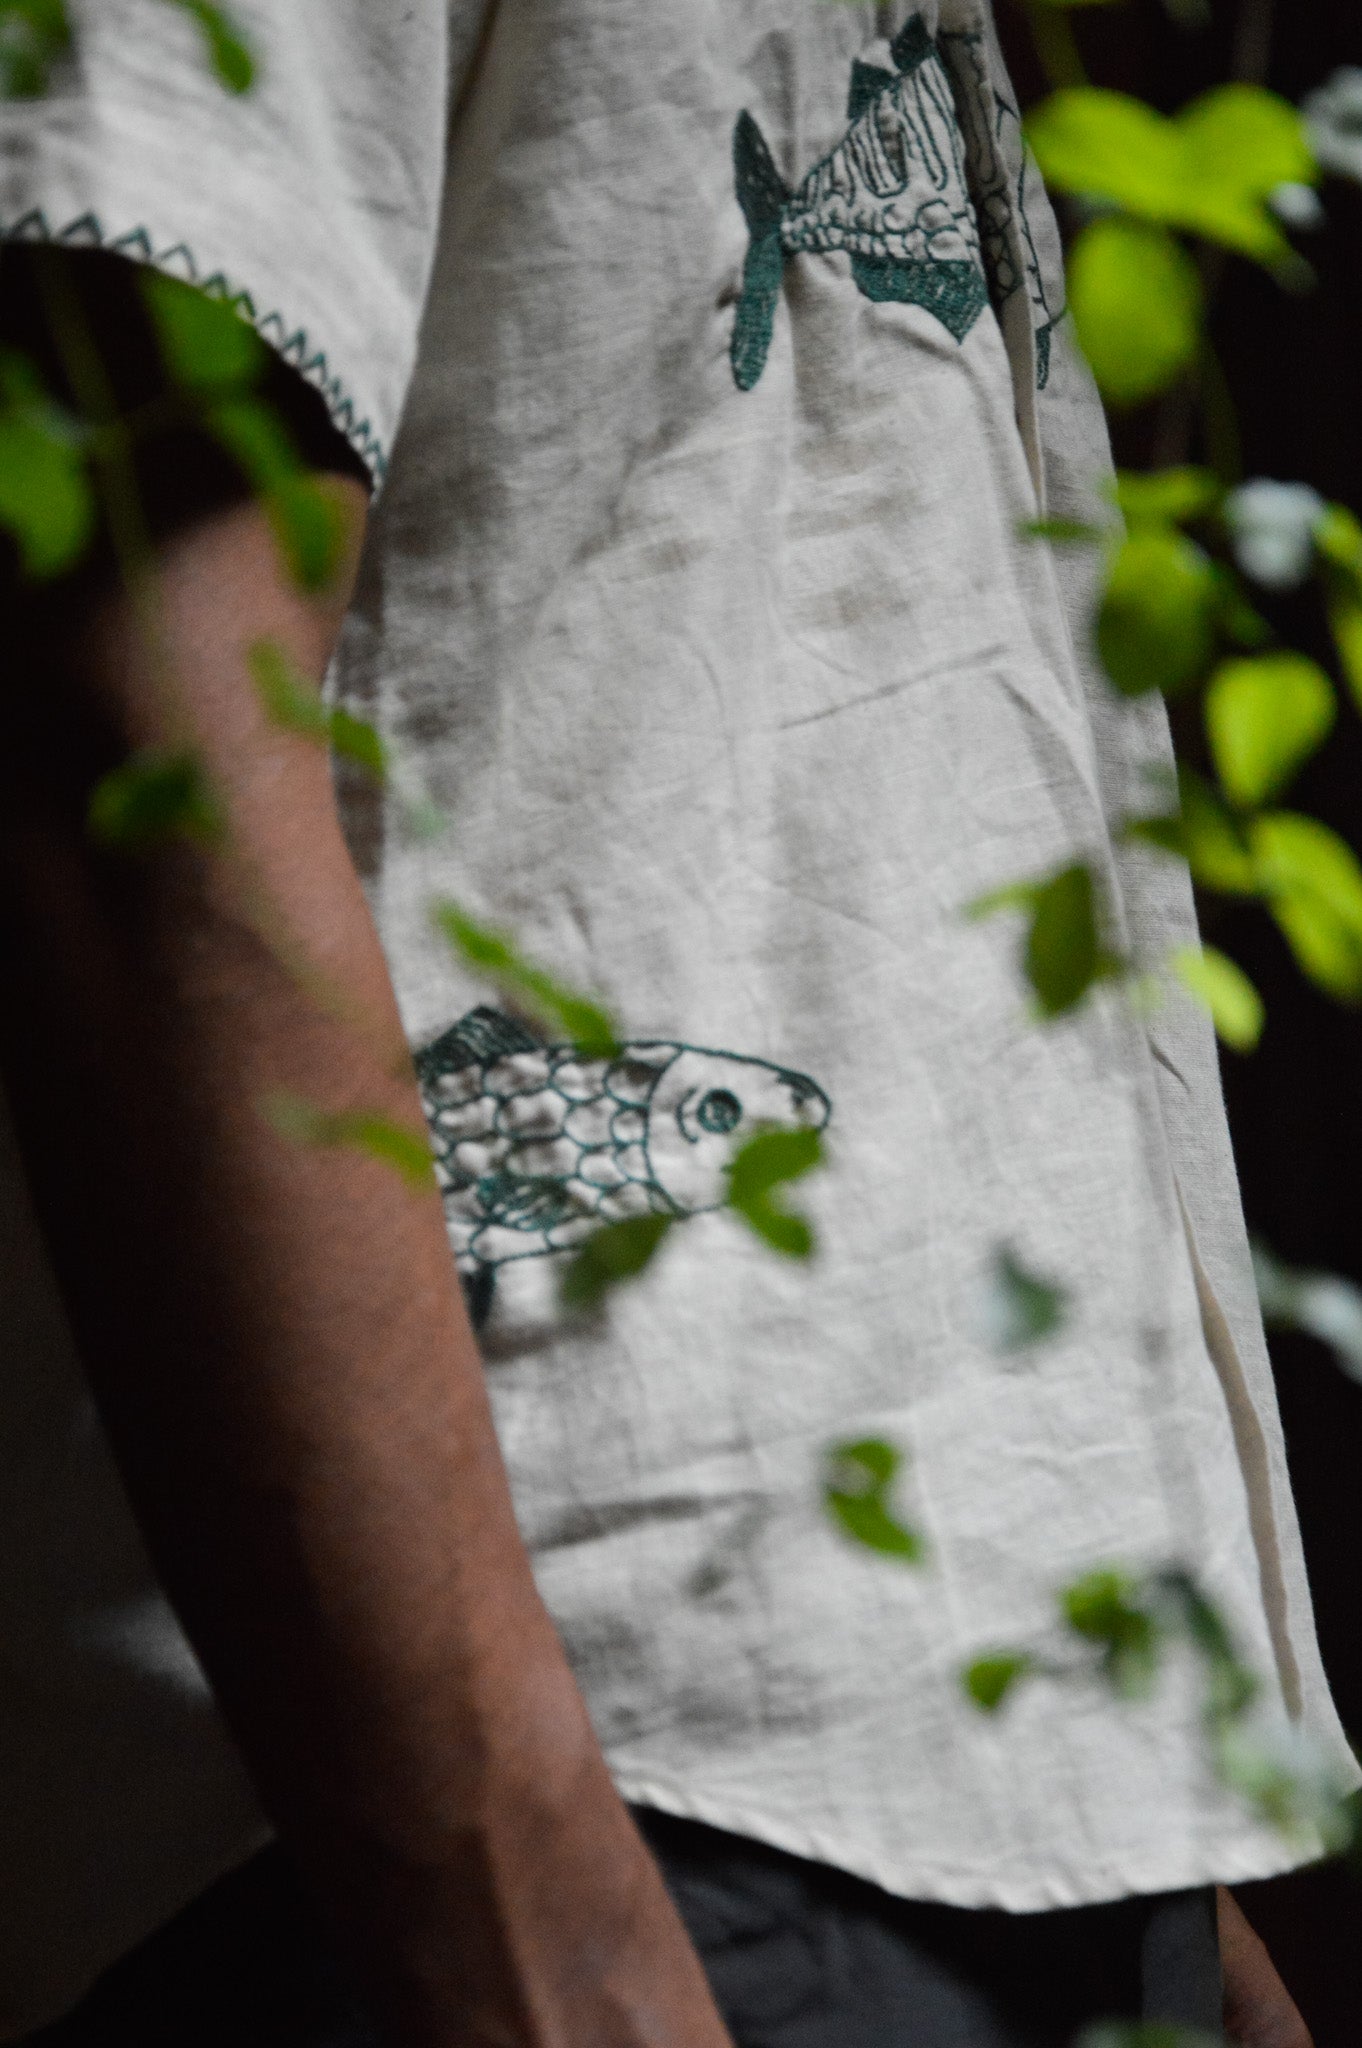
(868, 81)
(762, 195)
(912, 45)
(954, 292)
(479, 1286)
(762, 192)
(479, 1038)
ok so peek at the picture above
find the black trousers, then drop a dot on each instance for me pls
(799, 1956)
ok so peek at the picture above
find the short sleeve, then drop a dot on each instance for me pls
(312, 200)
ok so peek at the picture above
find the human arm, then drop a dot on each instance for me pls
(275, 1335)
(1259, 2010)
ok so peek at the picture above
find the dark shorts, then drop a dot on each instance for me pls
(799, 1956)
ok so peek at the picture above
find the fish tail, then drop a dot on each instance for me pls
(762, 195)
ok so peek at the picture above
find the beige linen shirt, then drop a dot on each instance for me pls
(695, 599)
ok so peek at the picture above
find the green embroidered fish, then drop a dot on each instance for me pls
(536, 1147)
(892, 193)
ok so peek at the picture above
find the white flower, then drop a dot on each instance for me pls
(1296, 206)
(1272, 528)
(1333, 118)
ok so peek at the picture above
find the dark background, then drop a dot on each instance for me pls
(1294, 364)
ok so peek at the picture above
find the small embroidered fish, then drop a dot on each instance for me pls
(536, 1147)
(892, 193)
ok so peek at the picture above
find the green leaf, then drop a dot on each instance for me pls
(617, 1252)
(1166, 497)
(1345, 622)
(1156, 622)
(1338, 537)
(1205, 834)
(153, 799)
(767, 1161)
(1313, 885)
(34, 34)
(1209, 170)
(859, 1479)
(1338, 542)
(1064, 954)
(1106, 1608)
(1022, 1307)
(1265, 716)
(309, 527)
(293, 701)
(1137, 306)
(1108, 145)
(306, 515)
(1063, 532)
(1239, 143)
(1216, 847)
(1235, 616)
(1289, 1780)
(495, 955)
(45, 498)
(355, 1130)
(989, 1680)
(228, 51)
(207, 346)
(1234, 1003)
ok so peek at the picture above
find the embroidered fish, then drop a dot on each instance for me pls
(893, 194)
(536, 1147)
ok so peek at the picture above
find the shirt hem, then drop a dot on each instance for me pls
(1041, 1889)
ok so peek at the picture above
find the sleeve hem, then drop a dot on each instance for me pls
(176, 259)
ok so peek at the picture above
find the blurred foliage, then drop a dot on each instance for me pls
(1217, 981)
(36, 34)
(857, 1492)
(154, 799)
(46, 502)
(618, 1251)
(1156, 625)
(215, 358)
(358, 1130)
(1265, 716)
(1137, 304)
(1063, 953)
(293, 701)
(1127, 1624)
(1321, 1305)
(1021, 1307)
(1207, 170)
(769, 1161)
(527, 987)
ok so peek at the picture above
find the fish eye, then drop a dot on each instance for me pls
(719, 1110)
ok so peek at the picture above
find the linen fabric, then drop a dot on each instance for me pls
(797, 1955)
(710, 358)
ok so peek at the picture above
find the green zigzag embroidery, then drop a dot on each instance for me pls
(892, 194)
(178, 260)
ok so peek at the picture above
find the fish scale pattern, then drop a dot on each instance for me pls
(535, 1147)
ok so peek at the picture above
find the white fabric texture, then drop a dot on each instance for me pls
(735, 692)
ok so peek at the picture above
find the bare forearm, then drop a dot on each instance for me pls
(276, 1339)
